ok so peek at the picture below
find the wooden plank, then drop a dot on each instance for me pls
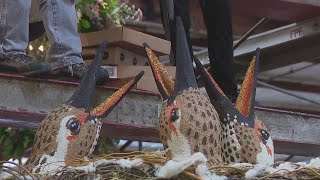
(25, 101)
(127, 38)
(151, 134)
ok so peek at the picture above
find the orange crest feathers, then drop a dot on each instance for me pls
(161, 75)
(245, 100)
(107, 105)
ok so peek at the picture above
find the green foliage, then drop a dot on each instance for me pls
(106, 145)
(84, 24)
(93, 15)
(14, 142)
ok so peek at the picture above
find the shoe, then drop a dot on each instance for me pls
(23, 64)
(79, 70)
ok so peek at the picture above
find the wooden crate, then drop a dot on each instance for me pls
(147, 81)
(127, 39)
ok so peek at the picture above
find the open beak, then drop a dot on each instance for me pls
(217, 97)
(82, 96)
(244, 108)
(185, 77)
(106, 106)
(164, 81)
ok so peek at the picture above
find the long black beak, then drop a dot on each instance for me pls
(82, 96)
(244, 108)
(185, 77)
(217, 97)
(106, 106)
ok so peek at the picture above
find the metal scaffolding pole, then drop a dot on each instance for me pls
(286, 92)
(249, 33)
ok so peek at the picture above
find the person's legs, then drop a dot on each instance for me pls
(60, 22)
(217, 18)
(14, 32)
(64, 54)
(14, 26)
(181, 8)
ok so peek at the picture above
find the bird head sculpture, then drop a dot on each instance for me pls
(188, 122)
(245, 138)
(71, 131)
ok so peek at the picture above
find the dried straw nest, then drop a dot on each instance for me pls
(142, 165)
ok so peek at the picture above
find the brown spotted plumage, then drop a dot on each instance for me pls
(71, 131)
(188, 122)
(201, 133)
(245, 138)
(49, 145)
(223, 132)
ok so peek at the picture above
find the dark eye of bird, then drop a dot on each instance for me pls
(74, 126)
(174, 114)
(264, 134)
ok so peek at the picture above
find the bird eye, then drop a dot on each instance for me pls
(264, 134)
(74, 126)
(175, 114)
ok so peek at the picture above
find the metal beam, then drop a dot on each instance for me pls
(25, 101)
(309, 100)
(279, 47)
(310, 2)
(295, 86)
(275, 9)
(249, 33)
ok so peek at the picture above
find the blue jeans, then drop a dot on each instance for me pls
(60, 21)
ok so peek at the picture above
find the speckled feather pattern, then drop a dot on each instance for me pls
(84, 143)
(230, 144)
(237, 141)
(46, 142)
(250, 144)
(199, 125)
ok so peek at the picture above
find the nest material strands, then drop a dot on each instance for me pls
(150, 162)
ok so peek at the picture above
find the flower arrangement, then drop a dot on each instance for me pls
(95, 15)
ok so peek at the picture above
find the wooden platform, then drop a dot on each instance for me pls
(25, 101)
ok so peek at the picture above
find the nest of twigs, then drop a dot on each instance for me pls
(149, 163)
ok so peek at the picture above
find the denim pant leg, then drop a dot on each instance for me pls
(14, 26)
(60, 21)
